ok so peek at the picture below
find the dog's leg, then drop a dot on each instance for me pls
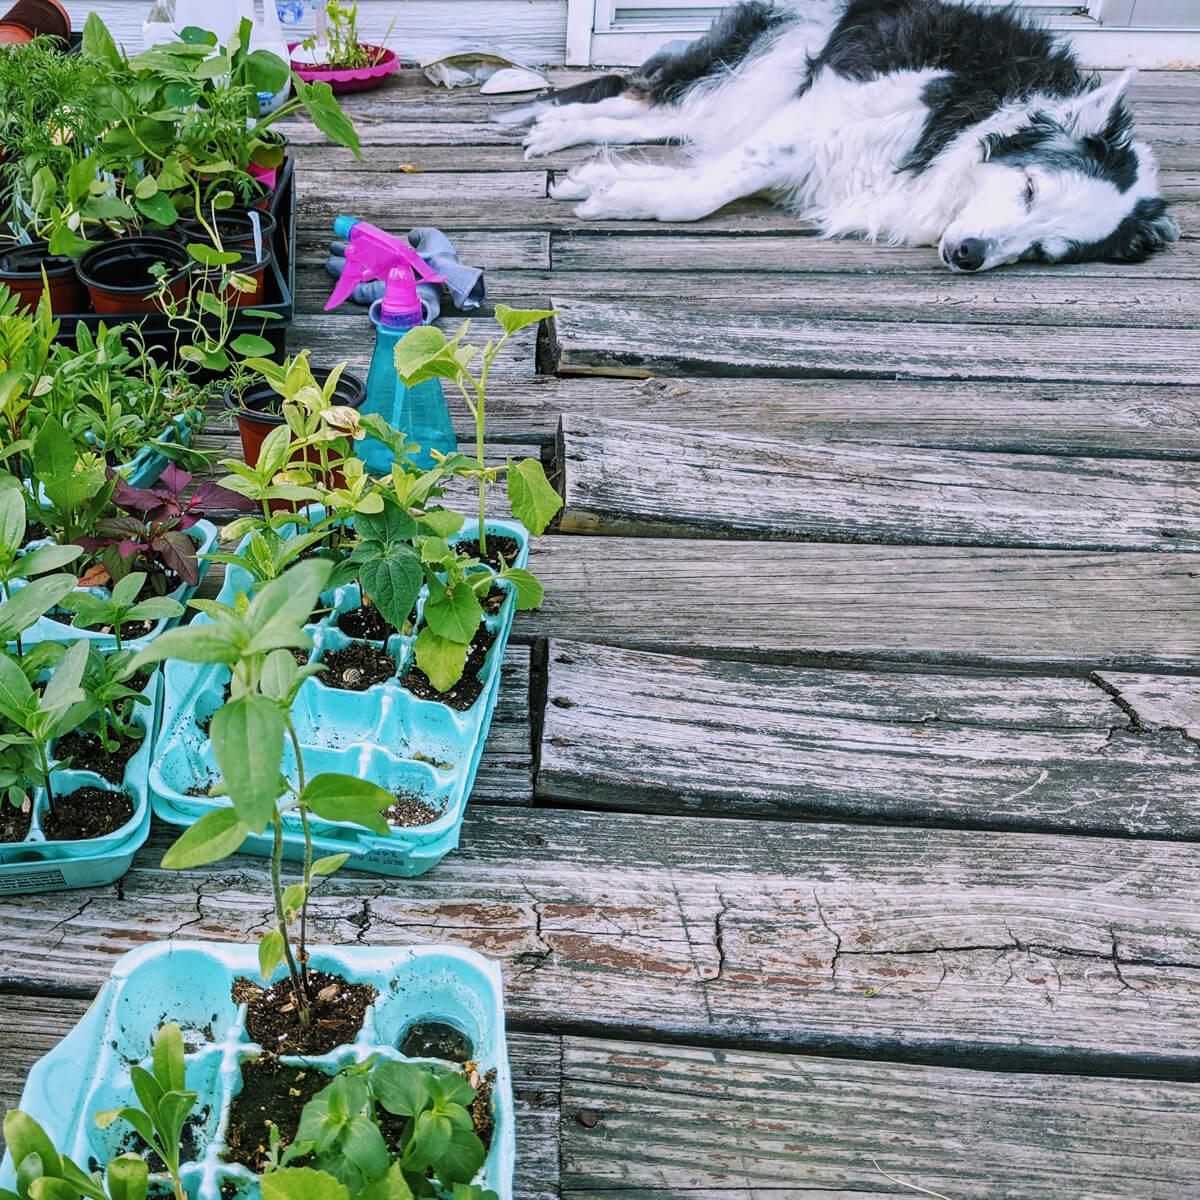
(557, 133)
(775, 158)
(598, 173)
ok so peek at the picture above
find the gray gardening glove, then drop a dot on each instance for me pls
(371, 290)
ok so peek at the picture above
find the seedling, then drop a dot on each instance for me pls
(44, 1174)
(248, 733)
(122, 608)
(104, 682)
(36, 718)
(166, 1103)
(424, 353)
(340, 1138)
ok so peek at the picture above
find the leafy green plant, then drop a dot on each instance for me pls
(75, 485)
(342, 47)
(425, 353)
(166, 1103)
(339, 1137)
(34, 716)
(254, 640)
(105, 681)
(44, 1174)
(25, 343)
(121, 608)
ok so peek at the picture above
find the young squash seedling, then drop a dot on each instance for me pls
(424, 353)
(166, 1103)
(254, 640)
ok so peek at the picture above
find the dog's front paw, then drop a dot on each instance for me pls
(545, 137)
(619, 202)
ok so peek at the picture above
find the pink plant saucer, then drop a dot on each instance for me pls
(349, 79)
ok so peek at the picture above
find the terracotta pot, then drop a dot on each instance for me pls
(28, 19)
(259, 411)
(21, 272)
(117, 274)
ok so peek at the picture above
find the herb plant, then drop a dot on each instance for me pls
(121, 608)
(166, 1103)
(248, 733)
(343, 49)
(425, 353)
(44, 1174)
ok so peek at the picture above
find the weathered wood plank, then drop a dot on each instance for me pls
(681, 1120)
(505, 774)
(1022, 418)
(801, 603)
(917, 295)
(730, 485)
(611, 337)
(981, 949)
(501, 250)
(699, 250)
(32, 1025)
(1156, 702)
(624, 729)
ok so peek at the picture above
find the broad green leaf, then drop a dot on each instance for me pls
(285, 603)
(363, 1145)
(338, 797)
(98, 42)
(16, 692)
(391, 524)
(326, 115)
(247, 739)
(513, 319)
(270, 953)
(47, 558)
(25, 1137)
(454, 613)
(250, 344)
(402, 1088)
(442, 522)
(32, 601)
(128, 1178)
(45, 186)
(196, 643)
(462, 1158)
(63, 688)
(134, 1116)
(416, 348)
(146, 187)
(154, 608)
(329, 864)
(168, 1059)
(393, 582)
(392, 1186)
(441, 659)
(215, 836)
(430, 1140)
(528, 588)
(530, 495)
(293, 896)
(12, 519)
(210, 256)
(126, 590)
(302, 1183)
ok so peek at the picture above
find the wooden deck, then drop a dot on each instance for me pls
(842, 808)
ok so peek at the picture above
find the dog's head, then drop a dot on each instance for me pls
(1068, 184)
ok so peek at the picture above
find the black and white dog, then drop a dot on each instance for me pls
(913, 122)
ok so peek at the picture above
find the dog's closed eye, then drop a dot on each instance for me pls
(1030, 192)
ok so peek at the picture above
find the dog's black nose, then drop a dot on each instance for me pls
(969, 255)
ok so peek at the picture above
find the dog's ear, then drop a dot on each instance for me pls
(1099, 113)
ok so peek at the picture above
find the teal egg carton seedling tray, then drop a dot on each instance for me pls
(190, 983)
(39, 864)
(419, 748)
(52, 629)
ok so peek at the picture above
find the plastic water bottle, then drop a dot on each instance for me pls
(419, 411)
(291, 12)
(159, 27)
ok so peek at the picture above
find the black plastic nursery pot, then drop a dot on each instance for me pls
(118, 274)
(21, 272)
(259, 410)
(234, 228)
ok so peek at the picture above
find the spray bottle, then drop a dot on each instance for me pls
(418, 411)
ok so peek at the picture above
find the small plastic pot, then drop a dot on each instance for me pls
(349, 79)
(21, 272)
(28, 19)
(260, 409)
(256, 268)
(117, 274)
(233, 227)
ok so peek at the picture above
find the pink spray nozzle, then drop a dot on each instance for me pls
(371, 254)
(401, 305)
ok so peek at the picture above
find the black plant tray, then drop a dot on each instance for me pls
(280, 280)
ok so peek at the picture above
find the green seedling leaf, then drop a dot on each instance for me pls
(133, 1116)
(402, 1088)
(196, 643)
(26, 1139)
(270, 953)
(216, 835)
(16, 693)
(29, 603)
(440, 658)
(169, 1067)
(157, 208)
(128, 1178)
(533, 501)
(346, 798)
(302, 1183)
(454, 613)
(210, 256)
(47, 558)
(247, 739)
(462, 1158)
(513, 319)
(329, 864)
(248, 344)
(392, 1186)
(528, 588)
(12, 519)
(392, 579)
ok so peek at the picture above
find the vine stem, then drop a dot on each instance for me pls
(277, 887)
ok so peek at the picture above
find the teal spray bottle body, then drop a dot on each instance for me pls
(419, 411)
